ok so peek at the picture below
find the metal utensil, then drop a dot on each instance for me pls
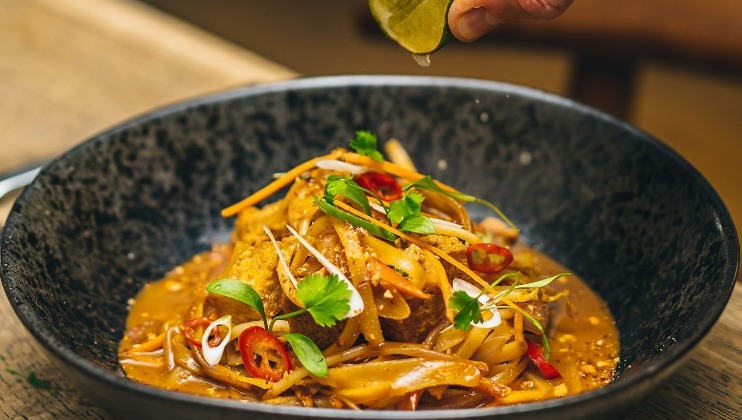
(18, 179)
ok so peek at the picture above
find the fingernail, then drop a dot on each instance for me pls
(475, 23)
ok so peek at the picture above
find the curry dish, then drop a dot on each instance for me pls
(367, 286)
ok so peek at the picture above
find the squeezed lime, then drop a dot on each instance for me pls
(419, 26)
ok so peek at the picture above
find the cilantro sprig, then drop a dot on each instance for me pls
(406, 213)
(427, 183)
(326, 298)
(365, 144)
(468, 309)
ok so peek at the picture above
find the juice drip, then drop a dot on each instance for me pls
(422, 60)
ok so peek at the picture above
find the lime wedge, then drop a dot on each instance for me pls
(419, 26)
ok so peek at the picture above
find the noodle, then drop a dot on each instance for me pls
(412, 345)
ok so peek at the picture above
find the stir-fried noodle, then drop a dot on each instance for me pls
(369, 288)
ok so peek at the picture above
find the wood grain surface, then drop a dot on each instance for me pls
(68, 70)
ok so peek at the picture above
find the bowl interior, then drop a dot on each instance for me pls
(618, 208)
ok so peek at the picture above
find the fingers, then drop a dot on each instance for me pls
(470, 19)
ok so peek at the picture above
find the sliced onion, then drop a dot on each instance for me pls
(474, 291)
(377, 207)
(279, 327)
(444, 227)
(213, 355)
(356, 302)
(281, 259)
(340, 166)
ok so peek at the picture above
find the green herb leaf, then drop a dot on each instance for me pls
(468, 307)
(354, 220)
(326, 298)
(409, 204)
(542, 282)
(308, 354)
(417, 223)
(346, 187)
(235, 289)
(406, 212)
(467, 310)
(429, 184)
(365, 144)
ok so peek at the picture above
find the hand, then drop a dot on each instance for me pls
(470, 19)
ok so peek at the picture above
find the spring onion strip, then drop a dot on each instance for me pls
(444, 227)
(276, 185)
(417, 242)
(340, 166)
(212, 355)
(281, 258)
(356, 302)
(483, 298)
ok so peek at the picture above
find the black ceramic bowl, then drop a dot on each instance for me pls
(636, 221)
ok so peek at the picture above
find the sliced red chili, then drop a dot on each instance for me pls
(536, 354)
(263, 355)
(488, 258)
(190, 327)
(384, 185)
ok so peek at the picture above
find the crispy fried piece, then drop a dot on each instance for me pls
(452, 246)
(256, 266)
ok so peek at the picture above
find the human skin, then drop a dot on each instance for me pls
(470, 19)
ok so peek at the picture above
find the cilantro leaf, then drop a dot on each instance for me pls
(417, 223)
(365, 144)
(326, 298)
(353, 220)
(406, 213)
(409, 204)
(235, 289)
(427, 183)
(346, 187)
(467, 310)
(308, 354)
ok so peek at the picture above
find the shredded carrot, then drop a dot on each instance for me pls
(392, 279)
(415, 241)
(390, 167)
(276, 185)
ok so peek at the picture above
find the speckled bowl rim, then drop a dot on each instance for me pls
(664, 364)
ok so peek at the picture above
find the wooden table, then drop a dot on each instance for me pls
(71, 68)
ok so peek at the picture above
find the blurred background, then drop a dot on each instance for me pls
(72, 68)
(671, 67)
